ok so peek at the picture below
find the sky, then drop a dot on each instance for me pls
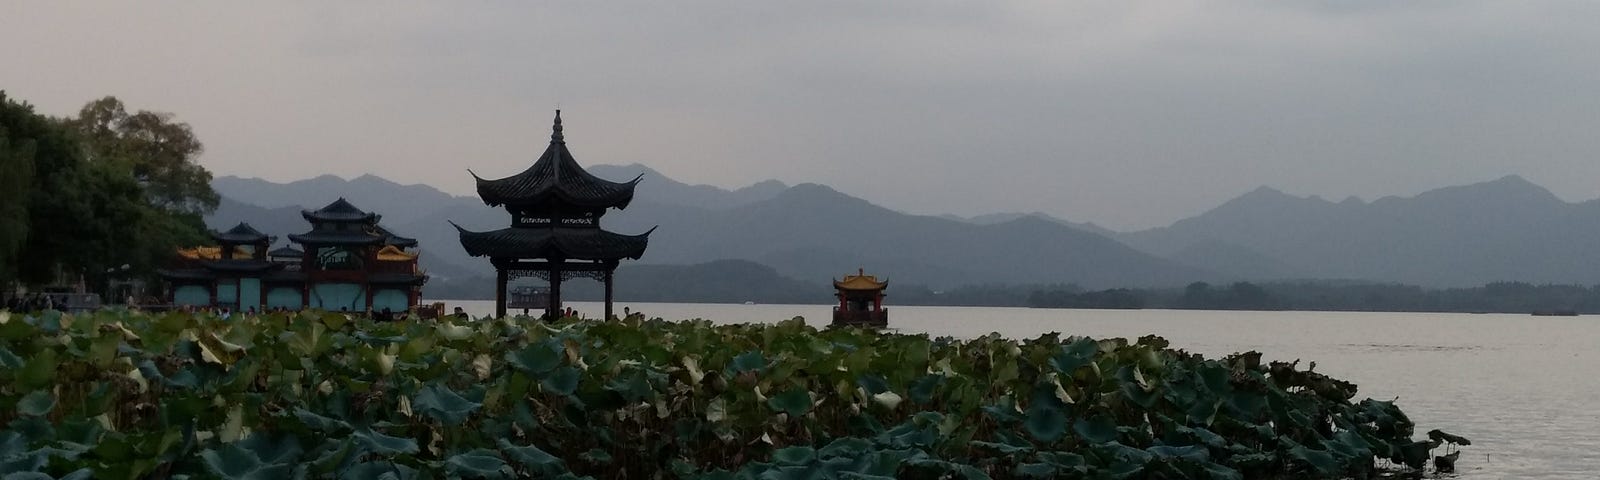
(1130, 114)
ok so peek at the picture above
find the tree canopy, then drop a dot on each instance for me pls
(96, 192)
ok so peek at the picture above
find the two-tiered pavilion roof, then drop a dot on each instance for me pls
(556, 207)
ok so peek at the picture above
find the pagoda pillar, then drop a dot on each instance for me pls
(500, 278)
(555, 289)
(608, 293)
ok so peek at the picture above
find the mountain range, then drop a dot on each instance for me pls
(1506, 229)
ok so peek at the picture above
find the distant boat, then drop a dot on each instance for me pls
(749, 302)
(1555, 313)
(528, 298)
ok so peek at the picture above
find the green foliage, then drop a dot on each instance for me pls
(16, 163)
(104, 190)
(320, 395)
(151, 148)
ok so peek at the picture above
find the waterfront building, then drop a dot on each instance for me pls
(555, 233)
(860, 300)
(346, 262)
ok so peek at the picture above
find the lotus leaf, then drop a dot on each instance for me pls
(232, 462)
(1046, 423)
(38, 403)
(384, 444)
(537, 358)
(379, 469)
(751, 361)
(531, 456)
(1034, 470)
(845, 447)
(1441, 436)
(443, 404)
(1002, 448)
(1072, 355)
(795, 402)
(40, 371)
(479, 463)
(794, 455)
(562, 381)
(1193, 453)
(1097, 429)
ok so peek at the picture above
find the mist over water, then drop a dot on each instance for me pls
(1521, 387)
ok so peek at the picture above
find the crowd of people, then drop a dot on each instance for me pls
(37, 301)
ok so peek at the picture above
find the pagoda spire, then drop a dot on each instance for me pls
(555, 130)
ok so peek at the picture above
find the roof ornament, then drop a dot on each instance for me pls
(555, 131)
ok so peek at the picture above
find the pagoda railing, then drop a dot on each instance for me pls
(879, 318)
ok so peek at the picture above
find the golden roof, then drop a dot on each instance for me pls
(210, 253)
(860, 281)
(391, 253)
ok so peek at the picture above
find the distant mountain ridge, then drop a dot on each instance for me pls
(1500, 230)
(1505, 229)
(808, 232)
(993, 218)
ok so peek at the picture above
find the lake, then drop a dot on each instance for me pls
(1523, 388)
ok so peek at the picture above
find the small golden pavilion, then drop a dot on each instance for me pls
(860, 301)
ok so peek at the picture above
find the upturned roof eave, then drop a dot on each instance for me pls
(495, 244)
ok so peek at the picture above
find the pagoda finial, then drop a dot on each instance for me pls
(555, 131)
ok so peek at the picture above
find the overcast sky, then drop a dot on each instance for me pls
(1129, 114)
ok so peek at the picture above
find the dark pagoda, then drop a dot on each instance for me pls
(555, 231)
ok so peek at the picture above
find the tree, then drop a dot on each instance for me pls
(58, 216)
(157, 151)
(16, 183)
(96, 192)
(159, 154)
(1198, 295)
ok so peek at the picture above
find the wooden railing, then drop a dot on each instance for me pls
(861, 317)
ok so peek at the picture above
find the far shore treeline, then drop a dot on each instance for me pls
(738, 281)
(105, 194)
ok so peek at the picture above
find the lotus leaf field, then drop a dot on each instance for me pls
(125, 395)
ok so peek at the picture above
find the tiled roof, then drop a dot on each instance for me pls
(556, 175)
(566, 243)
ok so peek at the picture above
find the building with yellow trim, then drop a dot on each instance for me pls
(347, 262)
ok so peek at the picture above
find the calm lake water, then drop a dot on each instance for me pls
(1525, 389)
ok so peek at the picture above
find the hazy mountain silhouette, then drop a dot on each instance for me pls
(808, 232)
(993, 218)
(399, 204)
(1506, 229)
(658, 188)
(812, 232)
